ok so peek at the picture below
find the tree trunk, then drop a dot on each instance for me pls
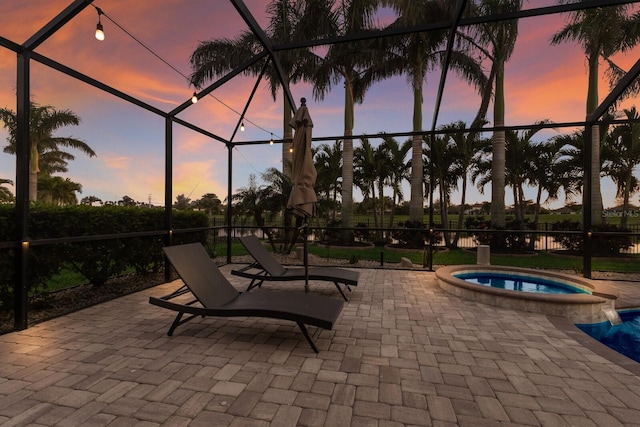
(592, 104)
(625, 203)
(416, 205)
(347, 160)
(498, 155)
(444, 214)
(463, 200)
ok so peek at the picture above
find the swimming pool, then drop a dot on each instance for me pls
(623, 338)
(520, 283)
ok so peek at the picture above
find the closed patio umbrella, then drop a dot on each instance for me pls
(303, 175)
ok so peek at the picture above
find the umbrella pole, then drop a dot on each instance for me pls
(305, 257)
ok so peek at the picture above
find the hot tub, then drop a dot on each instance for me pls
(588, 304)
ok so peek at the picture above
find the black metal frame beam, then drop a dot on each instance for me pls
(460, 7)
(264, 40)
(55, 24)
(443, 25)
(590, 122)
(25, 53)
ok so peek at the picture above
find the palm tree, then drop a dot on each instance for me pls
(328, 163)
(621, 154)
(520, 157)
(397, 167)
(571, 162)
(45, 153)
(416, 54)
(546, 174)
(55, 190)
(365, 173)
(5, 194)
(496, 41)
(442, 160)
(601, 32)
(289, 21)
(348, 63)
(466, 150)
(264, 202)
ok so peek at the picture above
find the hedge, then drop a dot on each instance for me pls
(96, 260)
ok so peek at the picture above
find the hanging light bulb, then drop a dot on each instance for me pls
(99, 29)
(242, 127)
(291, 149)
(271, 140)
(194, 98)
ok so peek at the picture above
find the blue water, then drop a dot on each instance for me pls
(623, 338)
(514, 282)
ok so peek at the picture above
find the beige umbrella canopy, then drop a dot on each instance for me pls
(303, 176)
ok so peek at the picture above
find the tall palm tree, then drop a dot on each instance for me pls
(496, 41)
(621, 155)
(45, 153)
(289, 21)
(415, 55)
(601, 32)
(348, 64)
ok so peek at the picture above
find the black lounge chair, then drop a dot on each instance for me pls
(217, 297)
(267, 268)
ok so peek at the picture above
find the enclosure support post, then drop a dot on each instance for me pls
(229, 198)
(22, 191)
(586, 202)
(168, 190)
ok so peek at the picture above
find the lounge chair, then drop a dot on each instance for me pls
(217, 297)
(267, 268)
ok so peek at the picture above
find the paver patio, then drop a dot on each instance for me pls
(403, 353)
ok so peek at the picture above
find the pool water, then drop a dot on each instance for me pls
(623, 338)
(514, 282)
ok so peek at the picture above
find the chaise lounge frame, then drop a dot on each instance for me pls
(267, 268)
(215, 296)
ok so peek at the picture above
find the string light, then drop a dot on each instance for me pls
(99, 29)
(194, 98)
(271, 140)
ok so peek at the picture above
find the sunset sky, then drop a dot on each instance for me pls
(542, 82)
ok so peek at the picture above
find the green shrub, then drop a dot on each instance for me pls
(415, 234)
(509, 239)
(601, 245)
(96, 260)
